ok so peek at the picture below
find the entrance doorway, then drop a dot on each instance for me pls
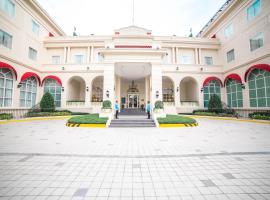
(133, 101)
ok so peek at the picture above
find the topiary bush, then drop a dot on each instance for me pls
(260, 115)
(215, 104)
(47, 103)
(159, 105)
(107, 104)
(4, 116)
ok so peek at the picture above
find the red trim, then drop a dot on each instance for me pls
(234, 77)
(50, 34)
(30, 74)
(213, 36)
(149, 33)
(58, 80)
(206, 81)
(265, 67)
(133, 46)
(117, 33)
(5, 65)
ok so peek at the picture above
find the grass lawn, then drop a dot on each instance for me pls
(176, 119)
(88, 119)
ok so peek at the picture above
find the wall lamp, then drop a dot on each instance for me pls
(19, 85)
(157, 94)
(87, 88)
(202, 89)
(107, 93)
(63, 89)
(87, 68)
(63, 68)
(177, 68)
(243, 86)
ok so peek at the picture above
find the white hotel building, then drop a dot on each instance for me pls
(229, 57)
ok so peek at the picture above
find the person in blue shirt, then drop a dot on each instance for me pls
(116, 108)
(148, 109)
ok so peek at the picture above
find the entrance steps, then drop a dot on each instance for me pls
(132, 118)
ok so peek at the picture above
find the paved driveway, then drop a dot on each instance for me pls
(217, 160)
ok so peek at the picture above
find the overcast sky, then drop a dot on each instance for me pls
(102, 17)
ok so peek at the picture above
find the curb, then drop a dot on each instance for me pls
(232, 119)
(177, 125)
(34, 119)
(86, 125)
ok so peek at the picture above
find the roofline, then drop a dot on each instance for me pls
(216, 17)
(46, 15)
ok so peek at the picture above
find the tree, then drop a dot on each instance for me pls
(215, 103)
(47, 103)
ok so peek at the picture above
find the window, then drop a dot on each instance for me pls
(55, 59)
(8, 7)
(5, 39)
(259, 88)
(230, 55)
(32, 54)
(213, 87)
(6, 87)
(254, 10)
(234, 93)
(256, 42)
(208, 60)
(54, 89)
(78, 59)
(28, 92)
(228, 31)
(35, 27)
(186, 59)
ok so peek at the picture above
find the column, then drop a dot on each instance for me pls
(176, 93)
(88, 55)
(118, 89)
(88, 94)
(223, 94)
(173, 55)
(177, 55)
(156, 83)
(92, 54)
(64, 94)
(147, 89)
(108, 84)
(245, 92)
(68, 55)
(200, 57)
(16, 95)
(65, 55)
(196, 56)
(201, 103)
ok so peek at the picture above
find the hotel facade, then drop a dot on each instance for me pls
(230, 57)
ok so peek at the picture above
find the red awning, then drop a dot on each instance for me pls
(5, 65)
(30, 74)
(58, 80)
(265, 67)
(206, 81)
(234, 77)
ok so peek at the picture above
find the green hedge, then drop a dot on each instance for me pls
(4, 116)
(176, 119)
(88, 119)
(47, 114)
(260, 115)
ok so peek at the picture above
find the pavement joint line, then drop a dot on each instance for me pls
(137, 156)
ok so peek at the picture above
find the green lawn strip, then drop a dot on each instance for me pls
(88, 119)
(176, 119)
(46, 114)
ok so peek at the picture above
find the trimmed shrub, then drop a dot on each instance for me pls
(4, 116)
(88, 119)
(159, 105)
(260, 115)
(47, 114)
(47, 103)
(215, 104)
(107, 104)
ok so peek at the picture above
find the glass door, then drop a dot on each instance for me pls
(133, 101)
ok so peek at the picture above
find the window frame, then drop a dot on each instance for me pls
(254, 38)
(205, 60)
(5, 99)
(183, 58)
(4, 6)
(4, 39)
(75, 59)
(30, 53)
(233, 58)
(35, 27)
(32, 81)
(59, 59)
(253, 6)
(228, 31)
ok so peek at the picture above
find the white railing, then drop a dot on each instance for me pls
(189, 103)
(16, 112)
(75, 104)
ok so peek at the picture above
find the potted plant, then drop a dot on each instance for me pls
(107, 106)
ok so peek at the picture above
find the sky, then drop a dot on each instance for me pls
(102, 17)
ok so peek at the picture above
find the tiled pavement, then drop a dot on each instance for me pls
(217, 160)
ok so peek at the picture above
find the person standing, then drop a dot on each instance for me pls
(116, 108)
(148, 109)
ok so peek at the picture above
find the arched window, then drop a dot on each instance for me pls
(234, 93)
(259, 88)
(213, 87)
(54, 88)
(28, 92)
(6, 87)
